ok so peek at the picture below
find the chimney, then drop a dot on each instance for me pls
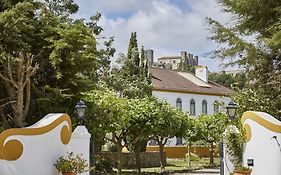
(201, 72)
(149, 56)
(196, 61)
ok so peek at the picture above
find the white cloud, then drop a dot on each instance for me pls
(160, 24)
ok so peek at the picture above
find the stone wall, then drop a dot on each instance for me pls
(147, 159)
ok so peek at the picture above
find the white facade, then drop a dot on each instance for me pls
(171, 98)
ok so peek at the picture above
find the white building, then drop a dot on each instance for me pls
(192, 93)
(174, 61)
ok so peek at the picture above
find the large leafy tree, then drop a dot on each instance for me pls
(253, 41)
(126, 121)
(65, 49)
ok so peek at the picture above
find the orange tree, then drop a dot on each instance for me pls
(210, 129)
(170, 122)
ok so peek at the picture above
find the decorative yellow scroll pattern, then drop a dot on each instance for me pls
(253, 116)
(13, 149)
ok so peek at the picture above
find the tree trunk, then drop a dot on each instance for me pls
(137, 157)
(189, 155)
(18, 84)
(19, 118)
(162, 158)
(212, 155)
(119, 161)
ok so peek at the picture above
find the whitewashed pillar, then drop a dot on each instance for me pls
(80, 143)
(228, 165)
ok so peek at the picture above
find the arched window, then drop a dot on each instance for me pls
(178, 140)
(179, 103)
(204, 107)
(192, 107)
(216, 107)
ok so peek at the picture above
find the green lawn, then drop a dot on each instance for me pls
(176, 165)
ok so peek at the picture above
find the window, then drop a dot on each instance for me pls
(216, 107)
(179, 103)
(152, 143)
(192, 107)
(179, 141)
(204, 107)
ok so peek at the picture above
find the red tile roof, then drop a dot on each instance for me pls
(171, 81)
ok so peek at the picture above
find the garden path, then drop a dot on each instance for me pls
(202, 172)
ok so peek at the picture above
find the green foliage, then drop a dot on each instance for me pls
(260, 55)
(110, 147)
(170, 122)
(130, 77)
(62, 8)
(211, 127)
(71, 163)
(191, 133)
(66, 50)
(257, 100)
(191, 157)
(103, 166)
(228, 80)
(17, 27)
(235, 146)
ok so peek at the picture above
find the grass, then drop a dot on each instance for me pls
(176, 166)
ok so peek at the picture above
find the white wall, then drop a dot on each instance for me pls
(262, 147)
(42, 145)
(171, 98)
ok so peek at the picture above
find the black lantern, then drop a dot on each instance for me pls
(80, 108)
(231, 109)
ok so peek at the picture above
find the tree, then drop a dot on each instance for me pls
(140, 126)
(191, 135)
(64, 48)
(17, 80)
(170, 122)
(261, 58)
(236, 81)
(115, 114)
(130, 76)
(127, 121)
(210, 129)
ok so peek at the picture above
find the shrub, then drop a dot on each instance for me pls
(71, 163)
(193, 157)
(103, 166)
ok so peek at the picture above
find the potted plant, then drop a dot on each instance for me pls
(71, 164)
(235, 142)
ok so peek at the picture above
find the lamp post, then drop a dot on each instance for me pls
(231, 110)
(80, 109)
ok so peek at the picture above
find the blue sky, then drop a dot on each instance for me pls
(166, 26)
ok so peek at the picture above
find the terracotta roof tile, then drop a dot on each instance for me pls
(170, 80)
